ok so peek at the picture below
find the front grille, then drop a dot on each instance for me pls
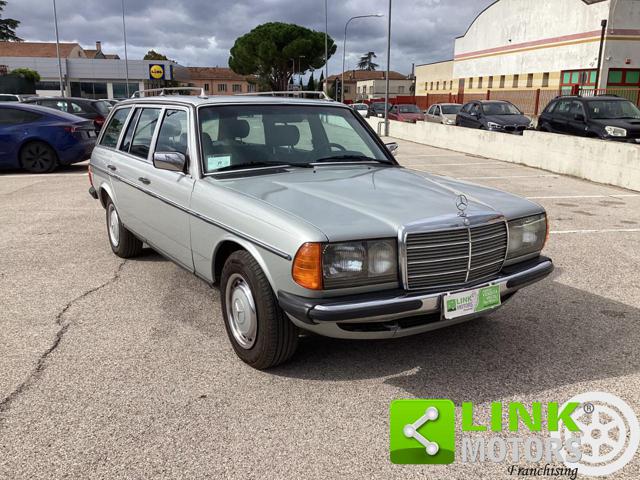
(454, 257)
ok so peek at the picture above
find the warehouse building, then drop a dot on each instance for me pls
(546, 44)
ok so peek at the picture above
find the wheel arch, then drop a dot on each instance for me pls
(104, 192)
(226, 247)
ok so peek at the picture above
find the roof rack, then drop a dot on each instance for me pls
(290, 93)
(163, 91)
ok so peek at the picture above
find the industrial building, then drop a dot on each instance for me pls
(546, 44)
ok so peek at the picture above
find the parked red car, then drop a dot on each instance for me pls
(406, 113)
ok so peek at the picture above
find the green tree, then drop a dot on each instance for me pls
(321, 82)
(8, 26)
(153, 55)
(267, 51)
(366, 62)
(311, 84)
(26, 73)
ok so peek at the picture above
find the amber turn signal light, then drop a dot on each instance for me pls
(307, 266)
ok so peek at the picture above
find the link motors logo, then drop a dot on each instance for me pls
(592, 434)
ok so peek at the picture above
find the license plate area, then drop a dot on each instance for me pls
(470, 302)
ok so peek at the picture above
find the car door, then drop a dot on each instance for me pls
(13, 124)
(474, 117)
(430, 117)
(560, 116)
(165, 210)
(463, 116)
(576, 119)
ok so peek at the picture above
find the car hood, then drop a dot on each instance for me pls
(351, 202)
(631, 125)
(508, 119)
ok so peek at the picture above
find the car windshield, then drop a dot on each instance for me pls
(360, 106)
(378, 106)
(408, 109)
(450, 109)
(236, 137)
(500, 108)
(610, 109)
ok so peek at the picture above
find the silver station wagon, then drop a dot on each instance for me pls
(301, 215)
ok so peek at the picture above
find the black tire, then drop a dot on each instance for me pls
(123, 243)
(275, 338)
(38, 157)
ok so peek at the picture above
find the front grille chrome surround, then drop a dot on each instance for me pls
(442, 258)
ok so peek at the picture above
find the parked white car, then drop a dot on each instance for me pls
(361, 108)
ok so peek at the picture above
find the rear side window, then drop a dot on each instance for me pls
(173, 132)
(13, 116)
(57, 104)
(551, 107)
(141, 141)
(112, 132)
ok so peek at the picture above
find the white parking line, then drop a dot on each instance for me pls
(447, 164)
(509, 176)
(568, 197)
(605, 230)
(43, 175)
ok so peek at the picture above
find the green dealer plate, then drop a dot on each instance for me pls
(458, 304)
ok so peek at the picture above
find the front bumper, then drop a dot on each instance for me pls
(397, 313)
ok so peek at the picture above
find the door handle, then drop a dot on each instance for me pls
(146, 181)
(112, 168)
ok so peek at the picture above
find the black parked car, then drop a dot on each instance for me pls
(602, 116)
(376, 109)
(494, 115)
(96, 110)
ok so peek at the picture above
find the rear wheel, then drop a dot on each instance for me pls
(38, 157)
(123, 243)
(260, 332)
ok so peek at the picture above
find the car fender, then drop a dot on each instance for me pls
(256, 253)
(104, 186)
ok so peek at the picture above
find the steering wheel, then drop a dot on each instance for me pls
(338, 146)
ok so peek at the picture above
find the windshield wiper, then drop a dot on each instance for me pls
(351, 158)
(241, 166)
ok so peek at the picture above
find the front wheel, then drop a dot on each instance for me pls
(259, 330)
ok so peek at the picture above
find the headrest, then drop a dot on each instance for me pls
(233, 128)
(284, 136)
(171, 128)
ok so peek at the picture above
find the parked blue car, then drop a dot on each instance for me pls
(39, 139)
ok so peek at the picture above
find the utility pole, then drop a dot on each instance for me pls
(603, 24)
(326, 48)
(386, 88)
(55, 21)
(126, 59)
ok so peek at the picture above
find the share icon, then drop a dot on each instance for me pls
(411, 430)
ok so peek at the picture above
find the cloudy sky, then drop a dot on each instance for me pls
(201, 32)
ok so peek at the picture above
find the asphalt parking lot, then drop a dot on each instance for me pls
(112, 368)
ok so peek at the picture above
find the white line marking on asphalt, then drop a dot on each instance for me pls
(605, 230)
(509, 176)
(42, 175)
(446, 164)
(567, 197)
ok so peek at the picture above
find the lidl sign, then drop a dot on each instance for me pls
(156, 71)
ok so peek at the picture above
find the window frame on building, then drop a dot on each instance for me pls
(530, 80)
(516, 81)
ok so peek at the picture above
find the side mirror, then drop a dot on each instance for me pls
(173, 161)
(392, 147)
(579, 117)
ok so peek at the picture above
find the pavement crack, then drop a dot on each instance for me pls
(6, 402)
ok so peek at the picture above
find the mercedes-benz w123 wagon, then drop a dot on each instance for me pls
(303, 218)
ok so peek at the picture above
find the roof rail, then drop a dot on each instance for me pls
(290, 93)
(163, 91)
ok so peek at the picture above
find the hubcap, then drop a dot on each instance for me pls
(114, 226)
(241, 311)
(37, 158)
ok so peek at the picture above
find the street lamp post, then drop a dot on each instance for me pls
(326, 47)
(386, 88)
(126, 60)
(55, 21)
(344, 48)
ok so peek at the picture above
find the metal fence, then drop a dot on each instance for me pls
(531, 102)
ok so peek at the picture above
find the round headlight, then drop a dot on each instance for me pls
(381, 257)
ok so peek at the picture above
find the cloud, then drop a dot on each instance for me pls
(201, 32)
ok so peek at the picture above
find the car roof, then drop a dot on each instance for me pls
(229, 99)
(75, 99)
(52, 112)
(450, 103)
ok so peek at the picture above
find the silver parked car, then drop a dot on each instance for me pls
(299, 213)
(444, 113)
